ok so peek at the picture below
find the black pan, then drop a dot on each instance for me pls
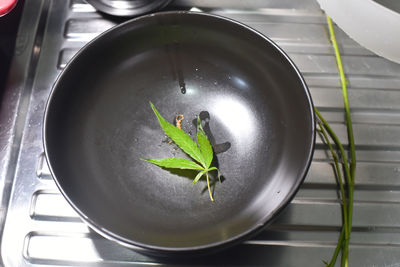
(257, 112)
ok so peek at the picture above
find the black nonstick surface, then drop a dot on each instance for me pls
(255, 107)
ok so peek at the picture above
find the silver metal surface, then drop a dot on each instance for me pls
(40, 229)
(128, 8)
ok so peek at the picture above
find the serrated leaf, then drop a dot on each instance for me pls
(198, 176)
(180, 138)
(176, 163)
(204, 144)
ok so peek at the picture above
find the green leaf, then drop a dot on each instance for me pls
(204, 144)
(180, 138)
(198, 176)
(176, 163)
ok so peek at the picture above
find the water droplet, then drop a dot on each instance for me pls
(197, 69)
(215, 83)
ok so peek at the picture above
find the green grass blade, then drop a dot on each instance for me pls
(176, 163)
(204, 144)
(180, 138)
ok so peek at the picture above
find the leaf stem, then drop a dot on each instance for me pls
(350, 188)
(345, 254)
(337, 143)
(350, 134)
(209, 188)
(337, 249)
(340, 180)
(345, 98)
(350, 218)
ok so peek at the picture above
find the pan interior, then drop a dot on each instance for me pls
(99, 124)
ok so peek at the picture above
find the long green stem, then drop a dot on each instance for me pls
(209, 188)
(345, 228)
(349, 174)
(337, 249)
(349, 182)
(345, 258)
(337, 143)
(350, 218)
(340, 180)
(345, 97)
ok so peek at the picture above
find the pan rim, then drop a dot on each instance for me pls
(130, 12)
(257, 227)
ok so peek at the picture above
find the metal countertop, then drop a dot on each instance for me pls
(40, 229)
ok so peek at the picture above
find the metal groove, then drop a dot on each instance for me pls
(23, 106)
(349, 76)
(315, 244)
(51, 233)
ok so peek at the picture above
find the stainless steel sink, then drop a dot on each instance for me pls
(40, 229)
